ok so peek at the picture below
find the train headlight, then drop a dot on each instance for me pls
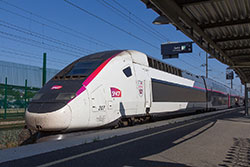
(65, 96)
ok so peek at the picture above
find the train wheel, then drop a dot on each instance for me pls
(131, 121)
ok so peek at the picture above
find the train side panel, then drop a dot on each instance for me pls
(143, 82)
(80, 115)
(234, 98)
(199, 102)
(168, 92)
(218, 95)
(112, 92)
(166, 89)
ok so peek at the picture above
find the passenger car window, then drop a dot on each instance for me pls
(127, 71)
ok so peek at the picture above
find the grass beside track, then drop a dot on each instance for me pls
(10, 130)
(9, 137)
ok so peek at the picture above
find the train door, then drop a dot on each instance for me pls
(98, 107)
(147, 92)
(143, 89)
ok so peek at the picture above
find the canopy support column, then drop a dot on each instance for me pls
(246, 100)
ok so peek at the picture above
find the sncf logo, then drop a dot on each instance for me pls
(56, 87)
(115, 92)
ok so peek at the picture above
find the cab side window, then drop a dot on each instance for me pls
(127, 71)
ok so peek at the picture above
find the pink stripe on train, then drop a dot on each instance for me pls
(93, 75)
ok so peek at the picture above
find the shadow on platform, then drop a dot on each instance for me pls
(238, 117)
(238, 154)
(155, 156)
(174, 139)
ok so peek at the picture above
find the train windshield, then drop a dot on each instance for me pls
(84, 68)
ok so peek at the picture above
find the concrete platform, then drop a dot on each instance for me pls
(212, 140)
(221, 142)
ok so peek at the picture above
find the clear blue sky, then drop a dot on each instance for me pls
(30, 27)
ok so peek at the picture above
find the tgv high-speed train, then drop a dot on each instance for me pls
(101, 89)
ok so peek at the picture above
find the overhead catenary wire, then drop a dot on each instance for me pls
(140, 20)
(142, 27)
(34, 57)
(37, 16)
(96, 41)
(194, 59)
(38, 35)
(7, 65)
(78, 36)
(212, 71)
(30, 54)
(144, 22)
(41, 43)
(18, 50)
(111, 24)
(196, 68)
(20, 40)
(27, 59)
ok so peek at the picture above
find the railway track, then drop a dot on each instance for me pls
(12, 124)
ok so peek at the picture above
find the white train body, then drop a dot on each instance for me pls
(121, 86)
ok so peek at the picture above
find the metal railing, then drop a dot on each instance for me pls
(15, 99)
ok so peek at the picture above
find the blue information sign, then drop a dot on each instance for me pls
(171, 50)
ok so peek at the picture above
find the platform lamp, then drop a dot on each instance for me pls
(161, 20)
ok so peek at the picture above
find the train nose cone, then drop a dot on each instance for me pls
(58, 120)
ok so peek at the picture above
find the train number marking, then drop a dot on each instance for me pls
(115, 92)
(101, 108)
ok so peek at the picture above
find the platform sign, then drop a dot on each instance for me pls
(170, 56)
(172, 50)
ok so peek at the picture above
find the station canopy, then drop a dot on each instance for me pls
(220, 27)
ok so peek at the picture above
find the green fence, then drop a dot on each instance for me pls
(15, 99)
